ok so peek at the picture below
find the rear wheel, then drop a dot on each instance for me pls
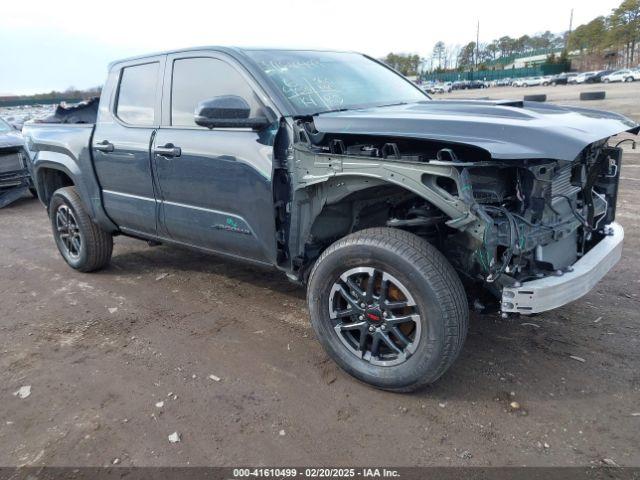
(388, 308)
(83, 244)
(628, 79)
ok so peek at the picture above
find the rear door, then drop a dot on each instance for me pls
(122, 142)
(215, 192)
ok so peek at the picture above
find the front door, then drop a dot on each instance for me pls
(122, 142)
(215, 187)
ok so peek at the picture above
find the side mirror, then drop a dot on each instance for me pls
(227, 111)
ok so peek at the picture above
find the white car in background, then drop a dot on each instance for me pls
(583, 77)
(442, 87)
(532, 81)
(624, 75)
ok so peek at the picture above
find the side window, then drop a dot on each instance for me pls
(137, 94)
(198, 79)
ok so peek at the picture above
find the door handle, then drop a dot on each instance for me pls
(168, 150)
(104, 146)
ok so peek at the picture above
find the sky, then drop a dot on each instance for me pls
(55, 44)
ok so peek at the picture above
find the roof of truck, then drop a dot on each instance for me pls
(224, 49)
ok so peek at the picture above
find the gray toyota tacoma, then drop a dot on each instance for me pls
(396, 211)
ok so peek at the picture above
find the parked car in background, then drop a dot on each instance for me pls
(597, 77)
(475, 84)
(560, 79)
(428, 86)
(502, 82)
(441, 87)
(624, 75)
(584, 77)
(532, 81)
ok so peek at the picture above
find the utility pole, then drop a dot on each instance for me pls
(566, 42)
(477, 44)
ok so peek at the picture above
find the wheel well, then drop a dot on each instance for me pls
(376, 206)
(50, 180)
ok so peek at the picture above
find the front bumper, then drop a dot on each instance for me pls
(553, 292)
(13, 185)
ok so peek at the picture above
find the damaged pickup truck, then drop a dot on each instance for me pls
(15, 175)
(396, 211)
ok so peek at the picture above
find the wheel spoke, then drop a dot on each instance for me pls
(362, 344)
(62, 216)
(343, 313)
(384, 290)
(375, 345)
(400, 336)
(347, 327)
(354, 287)
(396, 305)
(398, 320)
(389, 343)
(370, 285)
(75, 242)
(347, 296)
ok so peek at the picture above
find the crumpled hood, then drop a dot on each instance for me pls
(11, 139)
(506, 129)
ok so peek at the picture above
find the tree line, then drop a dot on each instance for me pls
(611, 40)
(617, 33)
(70, 93)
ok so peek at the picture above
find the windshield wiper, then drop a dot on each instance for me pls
(331, 111)
(392, 104)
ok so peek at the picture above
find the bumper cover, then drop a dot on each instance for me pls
(13, 185)
(553, 292)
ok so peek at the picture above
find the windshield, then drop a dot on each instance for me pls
(4, 126)
(317, 82)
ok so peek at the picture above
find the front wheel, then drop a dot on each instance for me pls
(388, 308)
(83, 244)
(628, 79)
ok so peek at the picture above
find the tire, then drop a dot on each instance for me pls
(606, 80)
(85, 247)
(628, 79)
(592, 95)
(535, 98)
(430, 281)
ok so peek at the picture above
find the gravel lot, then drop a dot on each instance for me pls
(119, 360)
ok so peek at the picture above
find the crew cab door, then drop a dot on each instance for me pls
(122, 142)
(215, 186)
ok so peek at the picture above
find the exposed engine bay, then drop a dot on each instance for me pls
(499, 222)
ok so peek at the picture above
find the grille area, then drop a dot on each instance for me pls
(11, 162)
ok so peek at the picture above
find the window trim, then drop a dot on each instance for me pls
(262, 97)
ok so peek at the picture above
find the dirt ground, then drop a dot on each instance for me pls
(119, 360)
